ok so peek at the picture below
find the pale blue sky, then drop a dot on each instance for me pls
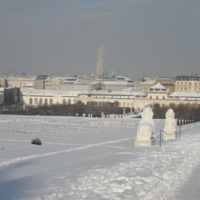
(151, 37)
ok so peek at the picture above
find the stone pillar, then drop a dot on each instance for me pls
(170, 129)
(146, 129)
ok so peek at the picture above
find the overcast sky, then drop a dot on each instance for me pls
(150, 37)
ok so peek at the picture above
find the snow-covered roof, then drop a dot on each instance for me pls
(122, 77)
(185, 94)
(28, 85)
(129, 89)
(110, 82)
(158, 86)
(147, 83)
(117, 92)
(52, 92)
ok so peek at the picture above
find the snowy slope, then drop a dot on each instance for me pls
(89, 158)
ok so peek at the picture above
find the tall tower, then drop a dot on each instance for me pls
(92, 75)
(99, 68)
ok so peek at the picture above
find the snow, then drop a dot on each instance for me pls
(117, 92)
(158, 86)
(110, 82)
(34, 92)
(185, 94)
(28, 85)
(92, 158)
(1, 89)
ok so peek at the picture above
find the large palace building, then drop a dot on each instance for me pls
(157, 94)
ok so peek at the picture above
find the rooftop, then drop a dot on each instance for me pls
(158, 86)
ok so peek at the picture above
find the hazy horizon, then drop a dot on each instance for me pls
(154, 38)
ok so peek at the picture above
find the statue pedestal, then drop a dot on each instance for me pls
(170, 135)
(145, 142)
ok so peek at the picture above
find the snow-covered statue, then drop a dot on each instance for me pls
(146, 129)
(83, 115)
(102, 115)
(170, 125)
(91, 115)
(77, 114)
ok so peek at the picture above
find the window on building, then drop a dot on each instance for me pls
(69, 101)
(35, 101)
(150, 97)
(163, 97)
(30, 101)
(51, 102)
(45, 101)
(157, 97)
(41, 101)
(64, 102)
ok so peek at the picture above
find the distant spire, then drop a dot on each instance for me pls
(143, 80)
(99, 66)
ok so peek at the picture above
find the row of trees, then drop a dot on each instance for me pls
(182, 111)
(71, 110)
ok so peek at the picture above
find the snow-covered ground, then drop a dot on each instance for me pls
(92, 159)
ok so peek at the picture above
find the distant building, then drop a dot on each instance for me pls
(74, 84)
(40, 81)
(2, 82)
(1, 95)
(110, 85)
(145, 86)
(52, 83)
(19, 82)
(158, 95)
(75, 87)
(157, 92)
(190, 83)
(12, 95)
(48, 97)
(168, 82)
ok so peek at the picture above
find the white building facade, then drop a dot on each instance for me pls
(130, 99)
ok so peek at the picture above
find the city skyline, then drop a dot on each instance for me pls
(157, 38)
